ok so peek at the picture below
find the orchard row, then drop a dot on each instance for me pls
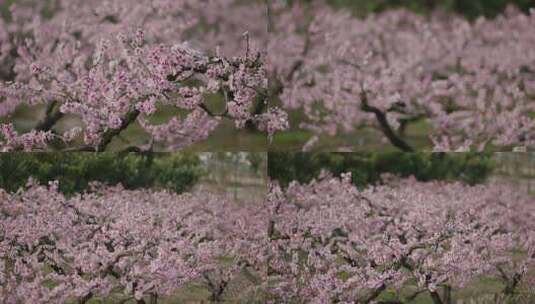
(322, 242)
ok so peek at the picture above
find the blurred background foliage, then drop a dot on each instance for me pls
(417, 133)
(240, 175)
(368, 168)
(177, 172)
(469, 8)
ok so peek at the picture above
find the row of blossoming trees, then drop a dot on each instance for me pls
(472, 82)
(112, 64)
(112, 243)
(322, 242)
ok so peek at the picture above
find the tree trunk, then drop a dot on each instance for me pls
(511, 285)
(217, 293)
(447, 294)
(153, 299)
(436, 297)
(375, 293)
(85, 298)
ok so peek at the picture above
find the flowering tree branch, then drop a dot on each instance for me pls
(385, 126)
(118, 72)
